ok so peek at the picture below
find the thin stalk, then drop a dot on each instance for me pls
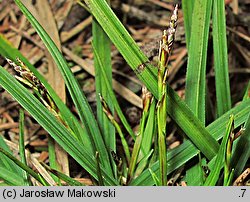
(228, 156)
(242, 152)
(154, 177)
(166, 46)
(52, 157)
(146, 99)
(99, 171)
(161, 121)
(108, 113)
(123, 140)
(162, 157)
(230, 178)
(83, 5)
(112, 96)
(22, 145)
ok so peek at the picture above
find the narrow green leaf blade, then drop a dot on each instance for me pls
(150, 130)
(195, 175)
(187, 9)
(220, 158)
(197, 56)
(11, 178)
(191, 125)
(102, 46)
(124, 42)
(22, 146)
(7, 163)
(223, 97)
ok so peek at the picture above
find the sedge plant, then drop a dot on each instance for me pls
(91, 141)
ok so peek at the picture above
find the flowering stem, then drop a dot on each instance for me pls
(166, 45)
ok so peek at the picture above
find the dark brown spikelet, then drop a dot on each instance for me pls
(172, 28)
(167, 41)
(26, 74)
(105, 107)
(27, 77)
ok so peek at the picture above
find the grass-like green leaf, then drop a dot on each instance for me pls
(230, 178)
(99, 171)
(150, 130)
(195, 175)
(220, 158)
(134, 156)
(187, 7)
(6, 162)
(123, 140)
(84, 110)
(197, 58)
(52, 157)
(9, 171)
(155, 178)
(55, 128)
(124, 42)
(11, 178)
(186, 151)
(137, 148)
(22, 146)
(103, 49)
(191, 125)
(223, 97)
(143, 162)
